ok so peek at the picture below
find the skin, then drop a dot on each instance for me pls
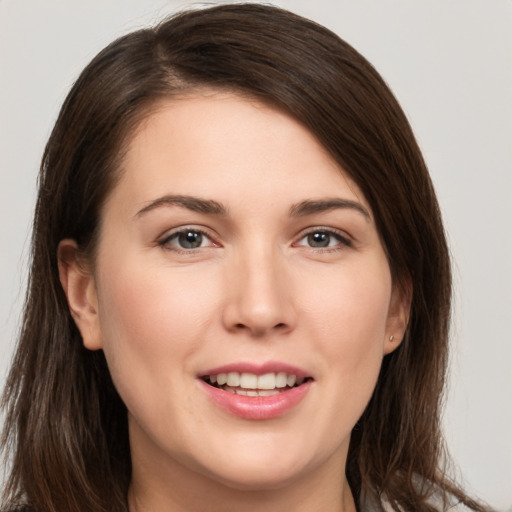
(256, 290)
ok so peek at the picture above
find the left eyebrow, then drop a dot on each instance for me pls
(310, 207)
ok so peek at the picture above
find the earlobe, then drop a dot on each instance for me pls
(398, 315)
(80, 289)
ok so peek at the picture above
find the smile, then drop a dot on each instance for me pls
(256, 392)
(250, 384)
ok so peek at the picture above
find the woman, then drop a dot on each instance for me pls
(240, 284)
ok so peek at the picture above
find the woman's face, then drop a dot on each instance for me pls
(234, 247)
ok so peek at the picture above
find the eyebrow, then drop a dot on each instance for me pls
(195, 204)
(310, 207)
(211, 207)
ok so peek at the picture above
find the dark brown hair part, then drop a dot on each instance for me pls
(66, 426)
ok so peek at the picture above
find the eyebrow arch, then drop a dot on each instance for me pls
(195, 204)
(310, 207)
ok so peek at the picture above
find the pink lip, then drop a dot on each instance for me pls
(257, 407)
(258, 369)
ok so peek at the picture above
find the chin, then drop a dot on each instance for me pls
(257, 478)
(257, 472)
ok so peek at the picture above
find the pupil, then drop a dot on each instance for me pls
(190, 240)
(318, 239)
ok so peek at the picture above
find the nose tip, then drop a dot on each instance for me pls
(259, 303)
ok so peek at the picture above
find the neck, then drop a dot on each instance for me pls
(301, 498)
(175, 482)
(176, 488)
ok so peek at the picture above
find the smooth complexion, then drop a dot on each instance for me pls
(233, 240)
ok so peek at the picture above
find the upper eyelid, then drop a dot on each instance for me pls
(325, 229)
(186, 227)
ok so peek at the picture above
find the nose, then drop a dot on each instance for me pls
(259, 298)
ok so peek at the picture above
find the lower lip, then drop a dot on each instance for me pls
(257, 407)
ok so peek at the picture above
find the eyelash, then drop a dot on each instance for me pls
(342, 239)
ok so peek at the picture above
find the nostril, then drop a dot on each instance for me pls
(279, 326)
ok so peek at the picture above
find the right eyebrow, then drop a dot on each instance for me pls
(195, 204)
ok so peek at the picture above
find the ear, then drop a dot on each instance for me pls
(80, 289)
(398, 315)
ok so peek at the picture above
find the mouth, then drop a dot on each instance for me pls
(257, 391)
(253, 385)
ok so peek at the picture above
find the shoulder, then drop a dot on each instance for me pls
(373, 504)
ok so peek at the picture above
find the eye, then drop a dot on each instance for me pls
(187, 239)
(323, 239)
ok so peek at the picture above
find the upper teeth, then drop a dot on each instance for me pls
(253, 381)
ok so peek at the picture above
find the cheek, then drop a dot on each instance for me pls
(348, 319)
(351, 304)
(149, 305)
(151, 322)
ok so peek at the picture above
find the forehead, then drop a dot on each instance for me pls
(230, 146)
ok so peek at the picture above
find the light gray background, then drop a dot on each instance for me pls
(449, 63)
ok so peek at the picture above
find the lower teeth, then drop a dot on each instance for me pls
(253, 392)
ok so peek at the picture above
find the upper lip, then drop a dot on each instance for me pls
(257, 369)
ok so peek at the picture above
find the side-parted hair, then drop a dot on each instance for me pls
(66, 427)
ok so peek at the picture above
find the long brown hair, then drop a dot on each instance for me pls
(66, 427)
